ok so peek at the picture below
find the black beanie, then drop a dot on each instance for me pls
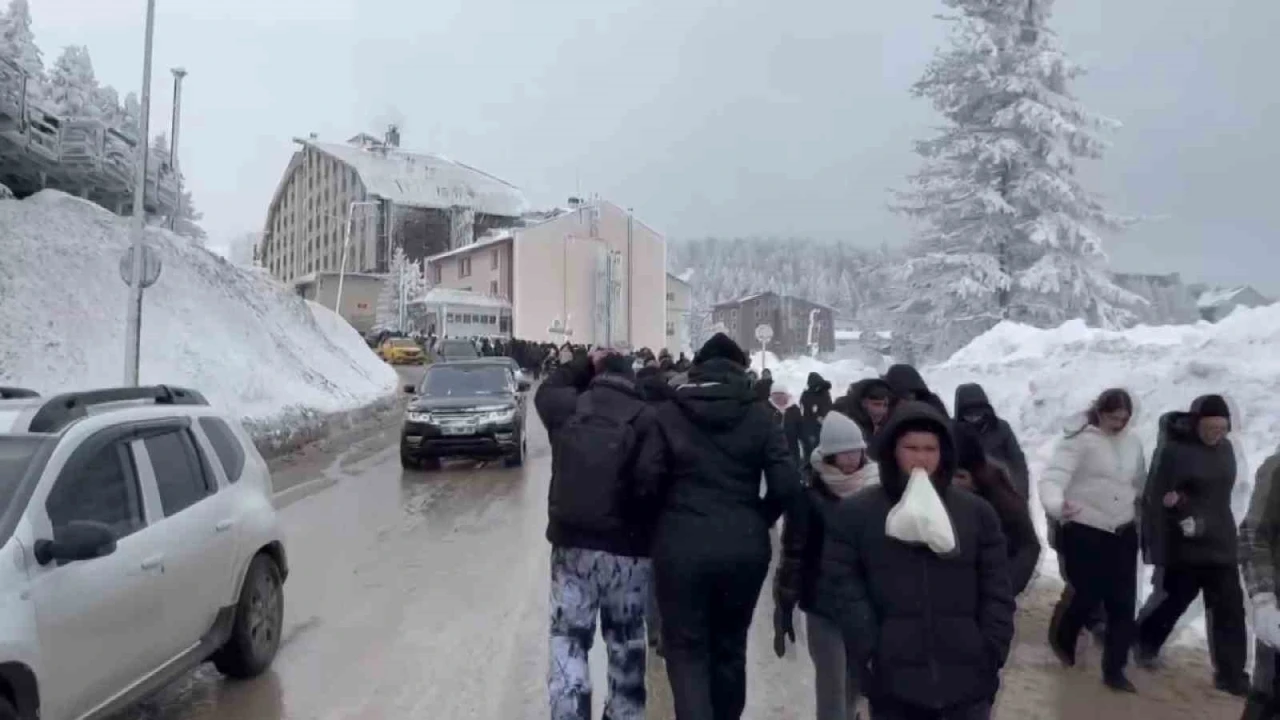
(722, 346)
(1211, 406)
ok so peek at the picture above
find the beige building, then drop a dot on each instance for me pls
(359, 295)
(384, 197)
(679, 300)
(590, 275)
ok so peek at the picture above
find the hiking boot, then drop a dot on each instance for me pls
(1146, 658)
(1238, 686)
(1119, 683)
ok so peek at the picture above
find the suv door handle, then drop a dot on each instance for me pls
(153, 562)
(224, 526)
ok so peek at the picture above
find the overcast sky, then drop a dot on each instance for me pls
(726, 117)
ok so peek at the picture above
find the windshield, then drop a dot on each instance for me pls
(462, 349)
(461, 381)
(15, 457)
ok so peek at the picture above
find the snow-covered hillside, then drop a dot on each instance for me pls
(249, 344)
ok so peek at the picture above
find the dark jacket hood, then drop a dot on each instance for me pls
(717, 396)
(1197, 406)
(908, 417)
(971, 396)
(903, 379)
(617, 382)
(1181, 426)
(817, 383)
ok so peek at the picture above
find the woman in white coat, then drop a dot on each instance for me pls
(1092, 486)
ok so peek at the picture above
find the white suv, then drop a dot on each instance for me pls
(137, 540)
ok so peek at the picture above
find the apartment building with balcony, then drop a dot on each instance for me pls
(591, 274)
(383, 197)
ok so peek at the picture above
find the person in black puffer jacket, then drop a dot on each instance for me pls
(838, 469)
(1189, 535)
(936, 630)
(815, 403)
(908, 386)
(990, 480)
(998, 439)
(712, 547)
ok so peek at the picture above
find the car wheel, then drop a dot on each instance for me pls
(408, 462)
(7, 710)
(516, 459)
(255, 632)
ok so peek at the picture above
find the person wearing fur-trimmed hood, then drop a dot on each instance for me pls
(915, 574)
(838, 468)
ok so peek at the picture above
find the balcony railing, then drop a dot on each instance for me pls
(83, 156)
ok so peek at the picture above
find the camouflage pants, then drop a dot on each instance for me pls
(585, 583)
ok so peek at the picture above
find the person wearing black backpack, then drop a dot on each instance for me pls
(711, 548)
(600, 530)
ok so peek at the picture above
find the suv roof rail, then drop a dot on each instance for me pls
(14, 393)
(61, 410)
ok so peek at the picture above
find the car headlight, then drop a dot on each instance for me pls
(498, 417)
(417, 417)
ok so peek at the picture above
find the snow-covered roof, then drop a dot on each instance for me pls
(677, 278)
(1219, 297)
(313, 276)
(450, 296)
(424, 180)
(493, 237)
(739, 301)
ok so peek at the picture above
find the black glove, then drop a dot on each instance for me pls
(783, 628)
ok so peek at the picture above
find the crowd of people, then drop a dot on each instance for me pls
(907, 536)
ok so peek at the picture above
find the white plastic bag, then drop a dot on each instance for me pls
(920, 517)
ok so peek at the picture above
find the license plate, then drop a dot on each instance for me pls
(457, 430)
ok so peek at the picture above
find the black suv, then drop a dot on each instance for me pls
(464, 409)
(455, 349)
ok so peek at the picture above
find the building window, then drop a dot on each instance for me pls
(671, 297)
(493, 287)
(671, 329)
(464, 267)
(493, 259)
(435, 274)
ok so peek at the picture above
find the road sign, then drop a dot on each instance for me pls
(764, 334)
(150, 266)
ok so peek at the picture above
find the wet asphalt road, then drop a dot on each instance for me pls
(423, 595)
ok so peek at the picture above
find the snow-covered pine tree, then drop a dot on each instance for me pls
(107, 102)
(404, 283)
(131, 114)
(188, 220)
(73, 89)
(1011, 232)
(18, 45)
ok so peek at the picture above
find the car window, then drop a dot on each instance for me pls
(403, 343)
(179, 476)
(225, 445)
(104, 489)
(464, 380)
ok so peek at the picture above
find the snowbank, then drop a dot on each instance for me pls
(250, 344)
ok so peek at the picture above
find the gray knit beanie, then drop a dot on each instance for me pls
(839, 434)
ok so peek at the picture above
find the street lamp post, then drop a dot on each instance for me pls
(133, 327)
(346, 246)
(178, 74)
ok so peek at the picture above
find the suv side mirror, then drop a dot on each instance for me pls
(78, 540)
(523, 385)
(410, 390)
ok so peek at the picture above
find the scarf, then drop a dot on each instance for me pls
(843, 485)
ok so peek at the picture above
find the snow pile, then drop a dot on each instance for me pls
(250, 344)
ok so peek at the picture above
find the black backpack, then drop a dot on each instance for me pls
(594, 453)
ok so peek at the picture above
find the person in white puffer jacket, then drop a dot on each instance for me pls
(1092, 486)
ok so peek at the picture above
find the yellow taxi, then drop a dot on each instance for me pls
(400, 351)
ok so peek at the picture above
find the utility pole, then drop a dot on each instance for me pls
(178, 75)
(133, 327)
